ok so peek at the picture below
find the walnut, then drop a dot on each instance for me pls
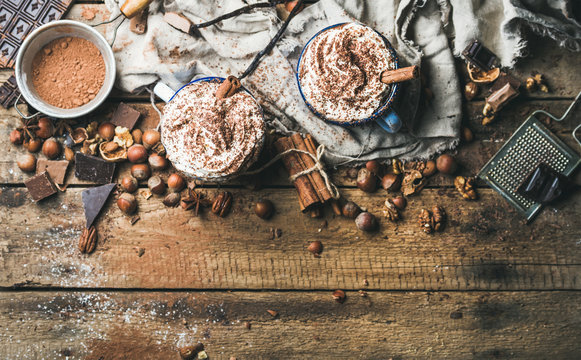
(438, 218)
(530, 84)
(431, 221)
(487, 119)
(540, 81)
(397, 166)
(413, 182)
(123, 137)
(425, 220)
(111, 151)
(465, 186)
(391, 212)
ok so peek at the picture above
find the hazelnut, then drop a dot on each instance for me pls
(467, 135)
(69, 154)
(137, 136)
(366, 222)
(137, 154)
(51, 148)
(150, 138)
(366, 181)
(350, 210)
(175, 182)
(264, 209)
(391, 182)
(446, 164)
(172, 199)
(107, 131)
(429, 168)
(127, 203)
(45, 128)
(400, 202)
(141, 171)
(27, 163)
(157, 162)
(156, 185)
(34, 145)
(110, 147)
(375, 168)
(316, 248)
(470, 90)
(129, 184)
(339, 296)
(16, 137)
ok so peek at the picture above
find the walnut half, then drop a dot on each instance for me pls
(465, 186)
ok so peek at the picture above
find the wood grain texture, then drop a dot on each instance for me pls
(419, 325)
(486, 246)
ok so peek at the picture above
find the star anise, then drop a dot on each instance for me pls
(28, 128)
(64, 126)
(194, 200)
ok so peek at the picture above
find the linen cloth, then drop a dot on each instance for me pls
(422, 32)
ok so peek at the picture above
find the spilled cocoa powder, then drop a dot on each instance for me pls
(68, 72)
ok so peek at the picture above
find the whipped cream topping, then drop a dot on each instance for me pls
(340, 72)
(212, 138)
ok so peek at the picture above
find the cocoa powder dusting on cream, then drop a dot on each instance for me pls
(68, 72)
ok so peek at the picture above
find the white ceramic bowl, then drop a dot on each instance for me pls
(36, 41)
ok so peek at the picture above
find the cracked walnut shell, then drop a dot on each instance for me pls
(413, 183)
(465, 186)
(391, 212)
(112, 152)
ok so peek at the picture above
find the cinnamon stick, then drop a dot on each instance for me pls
(308, 163)
(228, 87)
(308, 196)
(399, 75)
(320, 182)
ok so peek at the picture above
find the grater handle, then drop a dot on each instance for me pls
(564, 116)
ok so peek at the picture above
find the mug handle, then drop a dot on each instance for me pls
(390, 122)
(163, 91)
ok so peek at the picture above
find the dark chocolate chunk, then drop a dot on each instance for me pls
(93, 201)
(93, 169)
(9, 92)
(40, 186)
(478, 55)
(125, 116)
(504, 79)
(57, 169)
(501, 97)
(545, 185)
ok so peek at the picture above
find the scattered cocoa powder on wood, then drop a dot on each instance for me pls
(68, 72)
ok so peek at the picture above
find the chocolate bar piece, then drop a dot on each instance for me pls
(93, 169)
(93, 201)
(40, 186)
(478, 55)
(498, 99)
(20, 18)
(125, 116)
(544, 185)
(9, 92)
(57, 169)
(504, 79)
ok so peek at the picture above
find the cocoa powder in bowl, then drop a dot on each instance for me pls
(68, 72)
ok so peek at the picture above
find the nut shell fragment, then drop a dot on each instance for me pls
(483, 77)
(413, 182)
(112, 152)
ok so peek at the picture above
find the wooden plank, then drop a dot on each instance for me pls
(485, 246)
(419, 325)
(471, 156)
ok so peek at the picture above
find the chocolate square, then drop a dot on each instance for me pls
(57, 169)
(40, 186)
(93, 169)
(93, 201)
(479, 56)
(125, 116)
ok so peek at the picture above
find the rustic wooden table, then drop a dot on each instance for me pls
(489, 286)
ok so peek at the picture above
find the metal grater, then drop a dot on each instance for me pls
(530, 145)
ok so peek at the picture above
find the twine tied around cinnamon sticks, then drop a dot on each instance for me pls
(303, 161)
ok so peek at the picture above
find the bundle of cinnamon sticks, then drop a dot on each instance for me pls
(311, 187)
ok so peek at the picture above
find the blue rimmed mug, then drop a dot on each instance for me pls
(165, 93)
(384, 116)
